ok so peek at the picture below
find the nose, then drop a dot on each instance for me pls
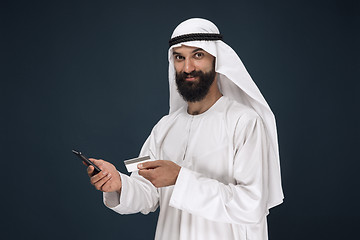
(188, 66)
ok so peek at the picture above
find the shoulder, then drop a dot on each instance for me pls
(244, 121)
(236, 112)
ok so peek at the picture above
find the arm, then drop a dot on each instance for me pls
(136, 194)
(241, 202)
(244, 202)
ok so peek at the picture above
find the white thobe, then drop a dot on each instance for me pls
(221, 190)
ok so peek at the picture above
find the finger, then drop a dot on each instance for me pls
(146, 173)
(107, 187)
(99, 185)
(90, 171)
(96, 178)
(149, 164)
(97, 162)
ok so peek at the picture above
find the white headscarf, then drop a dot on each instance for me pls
(234, 82)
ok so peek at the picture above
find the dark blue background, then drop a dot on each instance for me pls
(92, 75)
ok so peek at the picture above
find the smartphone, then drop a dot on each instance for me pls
(87, 161)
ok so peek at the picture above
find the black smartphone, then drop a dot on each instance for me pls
(87, 161)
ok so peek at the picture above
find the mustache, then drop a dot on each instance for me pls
(194, 73)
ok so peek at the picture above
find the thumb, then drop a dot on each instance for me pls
(97, 162)
(149, 164)
(90, 171)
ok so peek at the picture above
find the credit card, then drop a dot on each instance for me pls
(131, 164)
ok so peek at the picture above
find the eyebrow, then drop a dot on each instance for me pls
(196, 50)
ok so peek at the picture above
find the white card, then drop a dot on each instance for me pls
(131, 164)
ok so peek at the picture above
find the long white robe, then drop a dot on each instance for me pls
(221, 191)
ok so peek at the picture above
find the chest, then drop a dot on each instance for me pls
(203, 145)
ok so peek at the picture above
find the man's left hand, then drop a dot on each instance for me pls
(160, 173)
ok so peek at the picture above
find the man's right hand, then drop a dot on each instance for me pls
(108, 180)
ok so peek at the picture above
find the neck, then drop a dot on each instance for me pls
(195, 108)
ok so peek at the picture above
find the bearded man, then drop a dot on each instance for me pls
(216, 170)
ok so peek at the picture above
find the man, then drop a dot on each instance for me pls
(216, 172)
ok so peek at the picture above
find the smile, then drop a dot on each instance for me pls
(190, 78)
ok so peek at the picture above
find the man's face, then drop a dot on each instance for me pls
(195, 72)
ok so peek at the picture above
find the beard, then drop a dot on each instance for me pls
(195, 91)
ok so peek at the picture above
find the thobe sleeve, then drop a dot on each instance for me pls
(137, 193)
(242, 202)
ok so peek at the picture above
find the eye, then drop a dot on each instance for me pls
(199, 55)
(178, 57)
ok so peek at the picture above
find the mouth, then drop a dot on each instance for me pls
(191, 78)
